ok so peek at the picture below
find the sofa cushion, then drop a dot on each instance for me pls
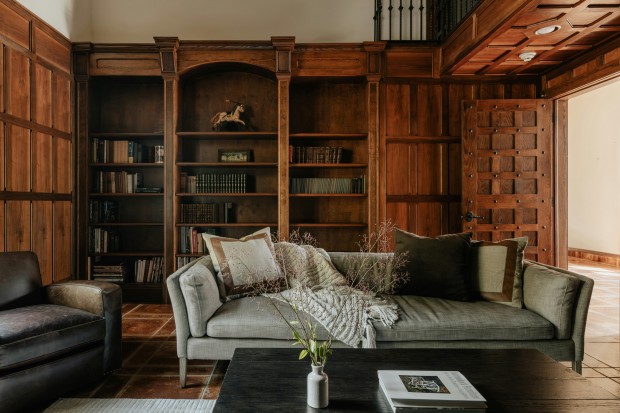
(243, 263)
(551, 294)
(201, 296)
(497, 270)
(437, 267)
(254, 317)
(45, 330)
(424, 318)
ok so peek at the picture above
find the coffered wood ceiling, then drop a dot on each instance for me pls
(584, 25)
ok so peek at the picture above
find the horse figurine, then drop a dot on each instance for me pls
(232, 116)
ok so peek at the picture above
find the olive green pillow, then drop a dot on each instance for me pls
(437, 267)
(497, 270)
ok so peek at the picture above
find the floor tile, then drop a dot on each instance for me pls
(142, 327)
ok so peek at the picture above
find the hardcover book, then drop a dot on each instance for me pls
(430, 391)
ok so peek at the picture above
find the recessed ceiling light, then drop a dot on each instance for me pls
(527, 56)
(548, 29)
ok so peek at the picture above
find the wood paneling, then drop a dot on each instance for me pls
(42, 238)
(333, 62)
(41, 162)
(62, 103)
(17, 159)
(3, 147)
(52, 49)
(63, 227)
(143, 64)
(18, 226)
(62, 166)
(412, 63)
(43, 96)
(15, 27)
(2, 66)
(2, 227)
(18, 84)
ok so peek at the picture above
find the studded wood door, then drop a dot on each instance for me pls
(508, 172)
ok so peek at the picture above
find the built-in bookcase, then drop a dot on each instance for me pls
(126, 182)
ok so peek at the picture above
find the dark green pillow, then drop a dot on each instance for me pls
(437, 267)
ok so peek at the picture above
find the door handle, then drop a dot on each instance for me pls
(470, 216)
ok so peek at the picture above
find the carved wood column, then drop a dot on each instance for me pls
(373, 77)
(284, 47)
(168, 58)
(81, 56)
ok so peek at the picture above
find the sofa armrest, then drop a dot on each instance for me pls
(100, 298)
(581, 301)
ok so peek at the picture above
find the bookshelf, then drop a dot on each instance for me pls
(125, 196)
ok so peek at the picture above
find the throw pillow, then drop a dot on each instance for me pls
(437, 267)
(497, 270)
(244, 264)
(551, 296)
(201, 296)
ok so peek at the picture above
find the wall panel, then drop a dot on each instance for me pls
(62, 103)
(18, 84)
(41, 162)
(42, 235)
(62, 166)
(2, 152)
(17, 159)
(63, 227)
(18, 226)
(43, 96)
(2, 227)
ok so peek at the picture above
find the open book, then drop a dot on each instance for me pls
(422, 391)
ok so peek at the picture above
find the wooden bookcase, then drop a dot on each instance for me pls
(126, 109)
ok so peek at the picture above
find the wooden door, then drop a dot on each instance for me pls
(507, 172)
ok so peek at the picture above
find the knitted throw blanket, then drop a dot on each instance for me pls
(318, 289)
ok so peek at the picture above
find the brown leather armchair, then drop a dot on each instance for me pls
(53, 339)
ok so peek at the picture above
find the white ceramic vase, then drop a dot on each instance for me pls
(318, 388)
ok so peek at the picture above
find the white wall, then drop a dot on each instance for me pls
(594, 170)
(72, 18)
(137, 21)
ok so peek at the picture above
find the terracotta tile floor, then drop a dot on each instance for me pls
(150, 367)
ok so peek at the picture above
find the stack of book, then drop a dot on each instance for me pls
(107, 151)
(423, 391)
(117, 182)
(199, 213)
(328, 185)
(213, 183)
(103, 211)
(103, 241)
(315, 154)
(110, 273)
(149, 270)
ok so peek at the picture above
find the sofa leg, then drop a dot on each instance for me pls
(577, 367)
(182, 371)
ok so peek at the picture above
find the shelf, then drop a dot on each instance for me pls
(126, 254)
(127, 224)
(328, 195)
(127, 165)
(134, 194)
(343, 136)
(228, 135)
(230, 164)
(126, 135)
(191, 255)
(236, 194)
(229, 225)
(328, 165)
(328, 225)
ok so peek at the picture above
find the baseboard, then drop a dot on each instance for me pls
(601, 257)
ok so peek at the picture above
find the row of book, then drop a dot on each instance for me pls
(181, 261)
(214, 183)
(315, 154)
(110, 273)
(209, 213)
(117, 182)
(103, 211)
(191, 241)
(102, 241)
(149, 270)
(328, 185)
(121, 151)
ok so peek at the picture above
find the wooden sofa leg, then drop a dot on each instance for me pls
(577, 367)
(182, 371)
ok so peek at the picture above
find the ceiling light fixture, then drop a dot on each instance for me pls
(527, 56)
(548, 29)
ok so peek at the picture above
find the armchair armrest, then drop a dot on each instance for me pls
(100, 298)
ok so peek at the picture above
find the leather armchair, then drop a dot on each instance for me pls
(53, 339)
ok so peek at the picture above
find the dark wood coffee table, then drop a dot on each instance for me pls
(519, 381)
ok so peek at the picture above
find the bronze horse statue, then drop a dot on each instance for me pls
(232, 116)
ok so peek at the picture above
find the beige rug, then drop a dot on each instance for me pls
(130, 405)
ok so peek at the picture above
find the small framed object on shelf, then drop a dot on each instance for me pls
(234, 155)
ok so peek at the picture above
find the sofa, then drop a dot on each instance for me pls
(552, 318)
(55, 338)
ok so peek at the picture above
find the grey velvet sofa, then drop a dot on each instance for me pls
(53, 339)
(554, 327)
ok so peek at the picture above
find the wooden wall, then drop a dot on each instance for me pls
(35, 141)
(420, 147)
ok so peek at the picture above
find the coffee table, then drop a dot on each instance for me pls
(519, 381)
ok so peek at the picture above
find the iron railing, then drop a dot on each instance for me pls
(415, 20)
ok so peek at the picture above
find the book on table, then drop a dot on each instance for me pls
(430, 391)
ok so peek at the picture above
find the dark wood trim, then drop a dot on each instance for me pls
(34, 196)
(34, 127)
(423, 139)
(424, 198)
(595, 256)
(561, 179)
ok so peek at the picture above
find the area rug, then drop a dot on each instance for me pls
(130, 405)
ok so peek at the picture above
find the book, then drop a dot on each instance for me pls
(424, 391)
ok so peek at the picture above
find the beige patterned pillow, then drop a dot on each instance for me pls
(244, 264)
(497, 270)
